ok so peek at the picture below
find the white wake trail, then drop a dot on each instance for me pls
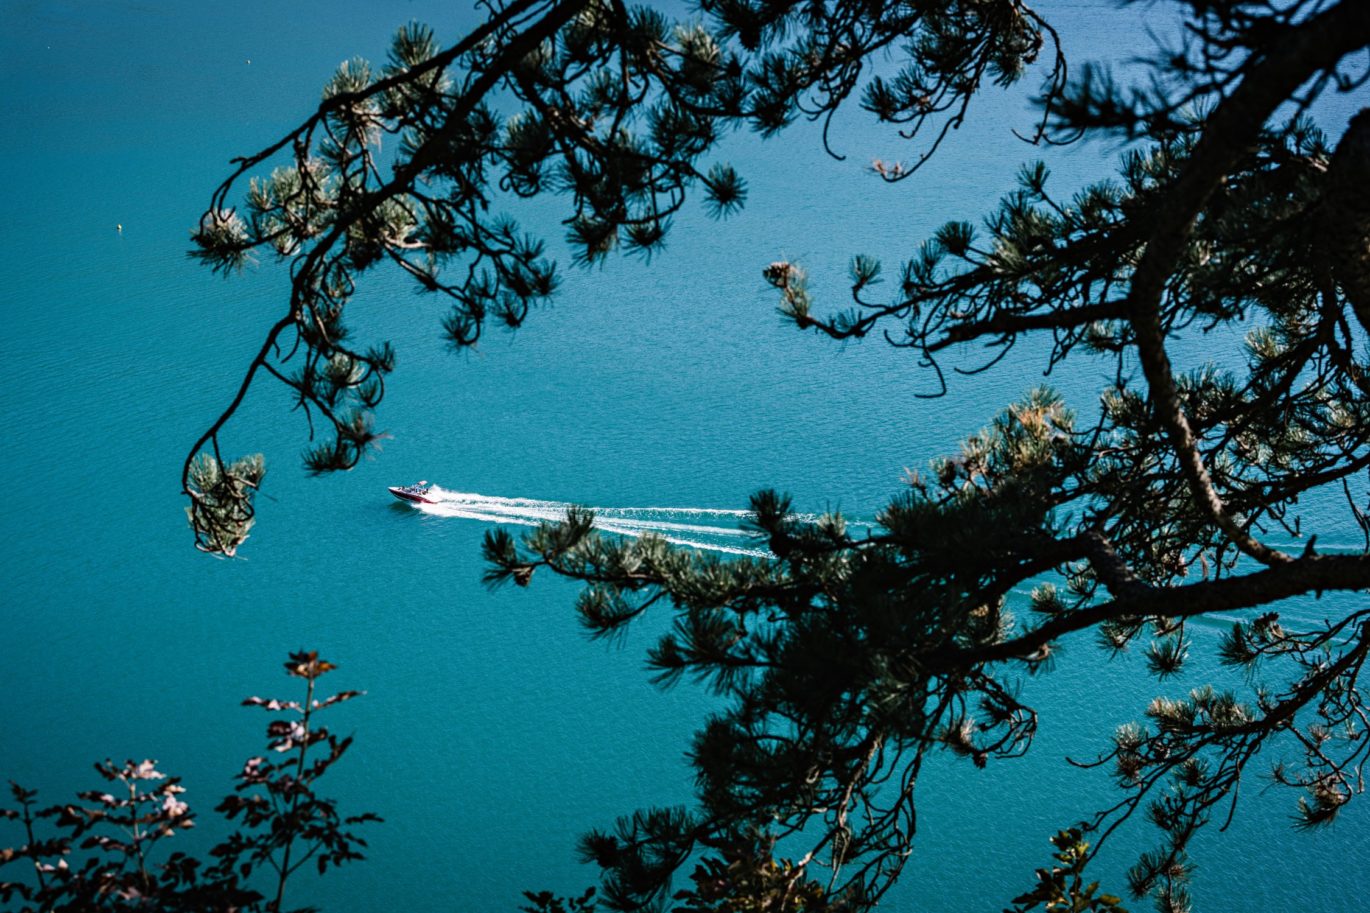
(665, 522)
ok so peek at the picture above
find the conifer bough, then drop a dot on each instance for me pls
(844, 660)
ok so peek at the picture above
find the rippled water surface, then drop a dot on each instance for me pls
(492, 731)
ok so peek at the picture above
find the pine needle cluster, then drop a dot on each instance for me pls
(846, 657)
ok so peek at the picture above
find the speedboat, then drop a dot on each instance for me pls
(415, 494)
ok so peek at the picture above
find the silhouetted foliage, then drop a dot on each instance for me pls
(1062, 888)
(106, 852)
(615, 108)
(845, 658)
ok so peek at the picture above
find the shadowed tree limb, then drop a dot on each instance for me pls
(1229, 133)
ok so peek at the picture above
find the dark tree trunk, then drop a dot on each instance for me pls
(1348, 215)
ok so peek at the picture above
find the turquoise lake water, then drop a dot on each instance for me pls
(492, 732)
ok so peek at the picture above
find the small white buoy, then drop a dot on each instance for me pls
(119, 227)
(249, 61)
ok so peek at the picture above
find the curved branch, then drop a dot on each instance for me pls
(1311, 574)
(1300, 53)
